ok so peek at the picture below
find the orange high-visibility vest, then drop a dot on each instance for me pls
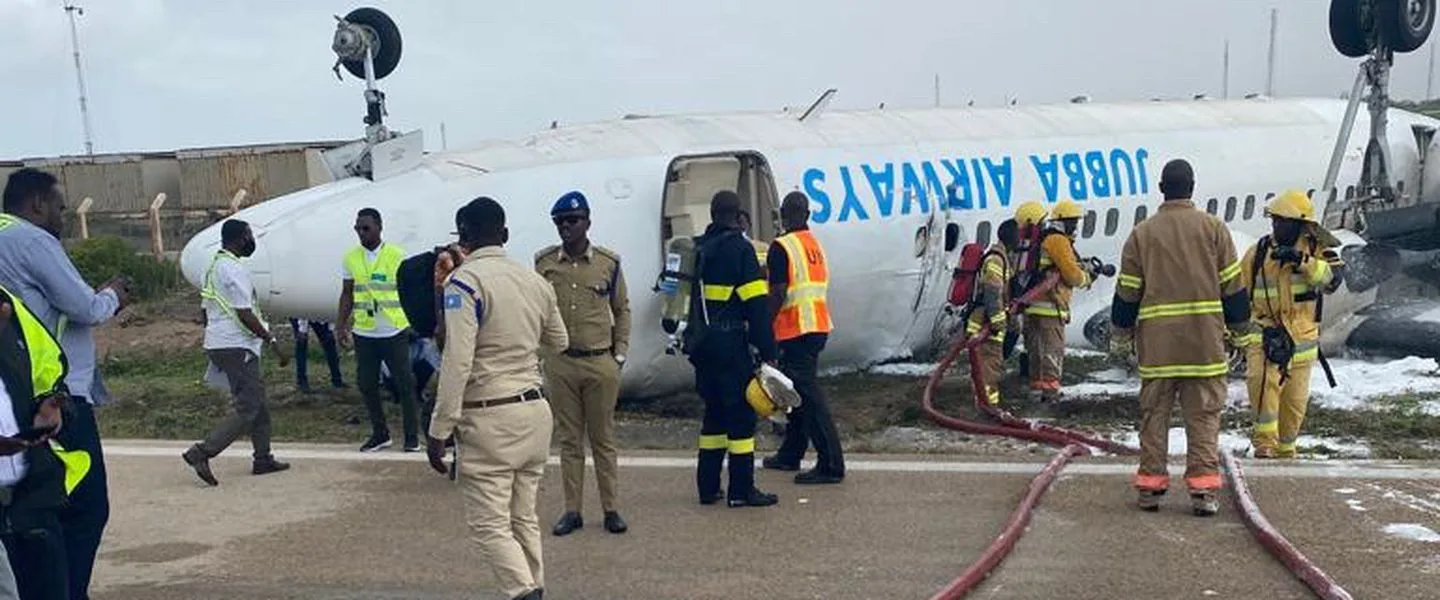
(804, 310)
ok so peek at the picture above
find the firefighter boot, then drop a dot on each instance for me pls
(707, 474)
(742, 483)
(1204, 503)
(1149, 500)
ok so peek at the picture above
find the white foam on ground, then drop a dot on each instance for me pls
(903, 369)
(1430, 316)
(1412, 531)
(1233, 441)
(1358, 381)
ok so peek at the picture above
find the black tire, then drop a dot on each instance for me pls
(1351, 22)
(387, 56)
(1406, 23)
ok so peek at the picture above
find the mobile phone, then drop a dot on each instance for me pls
(36, 433)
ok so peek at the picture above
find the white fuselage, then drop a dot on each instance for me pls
(884, 185)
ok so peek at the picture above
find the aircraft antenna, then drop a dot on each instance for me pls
(71, 10)
(1225, 77)
(819, 105)
(1270, 60)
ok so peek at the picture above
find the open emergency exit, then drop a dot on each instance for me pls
(690, 183)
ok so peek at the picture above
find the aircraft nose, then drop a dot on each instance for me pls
(195, 257)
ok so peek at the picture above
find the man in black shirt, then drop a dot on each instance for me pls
(728, 315)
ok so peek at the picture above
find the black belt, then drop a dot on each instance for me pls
(726, 326)
(573, 353)
(527, 395)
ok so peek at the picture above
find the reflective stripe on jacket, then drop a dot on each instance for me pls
(1285, 296)
(375, 286)
(1057, 252)
(1179, 288)
(994, 288)
(805, 310)
(47, 373)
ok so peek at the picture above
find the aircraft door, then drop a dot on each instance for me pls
(937, 243)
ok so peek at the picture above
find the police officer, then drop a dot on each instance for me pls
(584, 380)
(729, 314)
(499, 314)
(799, 275)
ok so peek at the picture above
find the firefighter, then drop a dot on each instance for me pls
(994, 292)
(1045, 320)
(728, 315)
(1179, 300)
(1287, 273)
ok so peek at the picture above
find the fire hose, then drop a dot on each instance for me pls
(1074, 443)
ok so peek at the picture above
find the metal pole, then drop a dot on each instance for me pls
(1430, 76)
(1225, 82)
(1338, 154)
(443, 144)
(1270, 69)
(937, 90)
(71, 9)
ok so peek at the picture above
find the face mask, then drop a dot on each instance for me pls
(1287, 231)
(1069, 227)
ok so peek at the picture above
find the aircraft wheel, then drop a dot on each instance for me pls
(1406, 23)
(387, 56)
(1351, 22)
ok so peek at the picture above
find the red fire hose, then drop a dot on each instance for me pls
(1281, 548)
(1072, 444)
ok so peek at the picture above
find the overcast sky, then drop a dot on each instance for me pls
(168, 74)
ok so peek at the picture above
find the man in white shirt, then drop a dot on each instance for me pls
(234, 332)
(370, 308)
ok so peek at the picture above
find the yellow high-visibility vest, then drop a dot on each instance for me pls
(375, 288)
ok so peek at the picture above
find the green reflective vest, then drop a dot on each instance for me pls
(375, 288)
(208, 291)
(47, 373)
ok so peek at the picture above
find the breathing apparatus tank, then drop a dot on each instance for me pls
(674, 285)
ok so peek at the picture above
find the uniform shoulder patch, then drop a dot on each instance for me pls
(452, 299)
(544, 251)
(606, 252)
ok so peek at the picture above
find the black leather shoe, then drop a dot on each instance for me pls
(816, 476)
(568, 523)
(774, 462)
(613, 522)
(719, 495)
(535, 594)
(756, 498)
(269, 465)
(198, 461)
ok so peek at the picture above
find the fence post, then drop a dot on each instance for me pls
(237, 200)
(157, 241)
(84, 213)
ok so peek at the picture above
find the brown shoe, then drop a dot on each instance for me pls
(197, 460)
(1264, 453)
(1149, 500)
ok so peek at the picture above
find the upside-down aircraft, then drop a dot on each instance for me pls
(894, 196)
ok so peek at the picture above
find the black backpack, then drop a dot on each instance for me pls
(415, 282)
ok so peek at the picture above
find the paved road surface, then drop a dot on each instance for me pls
(340, 525)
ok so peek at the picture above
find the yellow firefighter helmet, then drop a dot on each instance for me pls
(1292, 204)
(1030, 213)
(759, 400)
(1066, 209)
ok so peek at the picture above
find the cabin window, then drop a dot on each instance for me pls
(1212, 206)
(982, 234)
(1112, 221)
(1250, 207)
(1141, 212)
(1350, 192)
(1229, 209)
(1310, 194)
(1088, 229)
(952, 236)
(1400, 187)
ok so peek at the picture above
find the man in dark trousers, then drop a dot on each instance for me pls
(33, 476)
(729, 314)
(799, 275)
(38, 272)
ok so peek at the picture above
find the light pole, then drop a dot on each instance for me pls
(71, 9)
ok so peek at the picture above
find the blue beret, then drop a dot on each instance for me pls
(572, 200)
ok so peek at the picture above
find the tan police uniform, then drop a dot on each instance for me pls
(584, 379)
(499, 314)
